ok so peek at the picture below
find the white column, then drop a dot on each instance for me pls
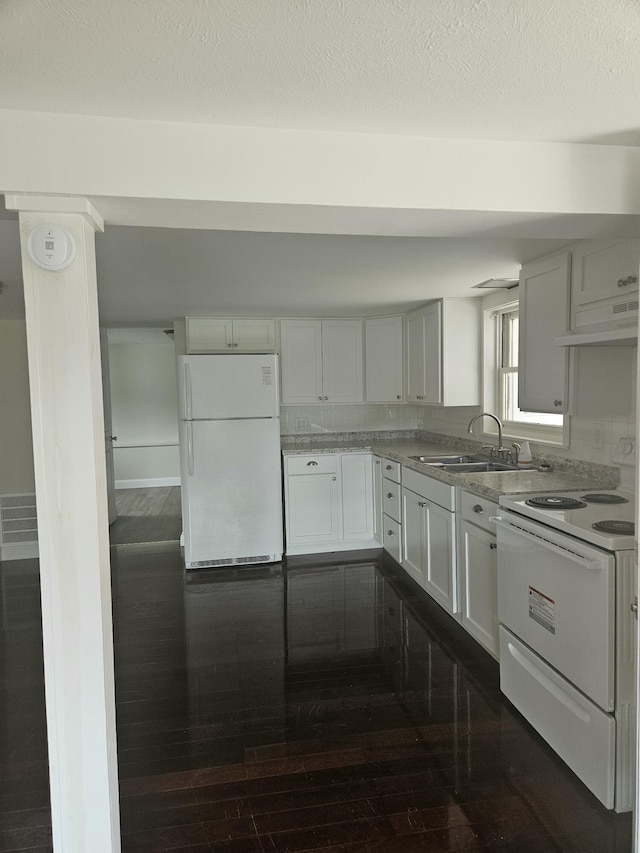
(69, 458)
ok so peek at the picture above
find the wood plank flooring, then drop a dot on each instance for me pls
(147, 515)
(314, 706)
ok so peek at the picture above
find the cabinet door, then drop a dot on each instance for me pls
(415, 347)
(342, 369)
(383, 360)
(604, 268)
(253, 335)
(301, 359)
(413, 534)
(439, 556)
(357, 496)
(479, 589)
(377, 499)
(543, 371)
(313, 509)
(433, 353)
(209, 334)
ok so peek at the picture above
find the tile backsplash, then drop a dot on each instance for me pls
(591, 439)
(303, 420)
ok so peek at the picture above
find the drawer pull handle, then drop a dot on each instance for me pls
(478, 508)
(311, 463)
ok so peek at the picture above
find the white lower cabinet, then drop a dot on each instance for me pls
(428, 536)
(328, 502)
(478, 570)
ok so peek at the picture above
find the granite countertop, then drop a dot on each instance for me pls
(573, 475)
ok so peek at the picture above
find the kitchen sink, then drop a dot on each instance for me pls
(477, 467)
(464, 463)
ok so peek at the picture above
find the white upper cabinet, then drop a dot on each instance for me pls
(322, 361)
(543, 373)
(604, 268)
(443, 353)
(383, 360)
(224, 334)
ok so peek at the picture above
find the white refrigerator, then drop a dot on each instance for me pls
(230, 459)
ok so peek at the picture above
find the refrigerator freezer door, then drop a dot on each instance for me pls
(231, 491)
(228, 386)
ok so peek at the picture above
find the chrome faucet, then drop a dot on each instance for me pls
(500, 449)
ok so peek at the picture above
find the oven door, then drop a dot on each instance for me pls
(557, 595)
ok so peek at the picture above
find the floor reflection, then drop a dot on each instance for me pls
(303, 707)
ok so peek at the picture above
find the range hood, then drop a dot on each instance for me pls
(625, 336)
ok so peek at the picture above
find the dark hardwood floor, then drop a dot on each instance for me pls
(321, 705)
(147, 515)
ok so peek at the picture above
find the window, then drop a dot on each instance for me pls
(503, 327)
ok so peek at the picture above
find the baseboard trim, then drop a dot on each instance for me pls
(19, 551)
(152, 483)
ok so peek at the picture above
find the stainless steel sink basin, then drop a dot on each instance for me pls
(464, 463)
(449, 459)
(477, 467)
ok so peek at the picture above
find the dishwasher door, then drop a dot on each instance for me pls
(557, 595)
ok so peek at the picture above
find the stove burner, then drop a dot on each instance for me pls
(555, 502)
(625, 528)
(597, 498)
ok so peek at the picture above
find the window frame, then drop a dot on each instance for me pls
(495, 307)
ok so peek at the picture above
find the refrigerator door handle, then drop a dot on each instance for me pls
(188, 395)
(190, 459)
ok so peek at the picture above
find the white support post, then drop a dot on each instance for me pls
(68, 439)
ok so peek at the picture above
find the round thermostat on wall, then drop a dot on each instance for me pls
(51, 247)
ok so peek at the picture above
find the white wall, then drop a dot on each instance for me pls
(16, 453)
(144, 401)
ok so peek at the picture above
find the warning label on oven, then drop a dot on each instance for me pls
(542, 609)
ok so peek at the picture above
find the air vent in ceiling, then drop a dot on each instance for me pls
(497, 284)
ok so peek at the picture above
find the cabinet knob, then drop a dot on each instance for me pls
(398, 396)
(389, 532)
(557, 402)
(388, 467)
(319, 398)
(422, 503)
(377, 461)
(334, 478)
(478, 508)
(236, 345)
(325, 398)
(389, 495)
(311, 463)
(493, 546)
(229, 345)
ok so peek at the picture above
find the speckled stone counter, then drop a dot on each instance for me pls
(565, 476)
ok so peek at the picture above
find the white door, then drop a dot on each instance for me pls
(479, 592)
(109, 438)
(313, 509)
(413, 534)
(383, 360)
(433, 353)
(415, 343)
(342, 367)
(228, 386)
(439, 575)
(254, 335)
(301, 353)
(357, 496)
(231, 482)
(604, 268)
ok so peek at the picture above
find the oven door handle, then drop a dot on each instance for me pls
(591, 565)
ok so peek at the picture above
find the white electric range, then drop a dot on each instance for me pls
(566, 599)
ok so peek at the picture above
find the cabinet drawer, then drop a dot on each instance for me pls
(478, 511)
(323, 463)
(391, 503)
(392, 538)
(391, 470)
(427, 487)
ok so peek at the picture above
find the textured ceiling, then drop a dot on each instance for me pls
(553, 70)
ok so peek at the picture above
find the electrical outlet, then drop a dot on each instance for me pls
(302, 424)
(598, 437)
